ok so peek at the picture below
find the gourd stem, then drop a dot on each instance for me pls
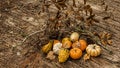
(93, 47)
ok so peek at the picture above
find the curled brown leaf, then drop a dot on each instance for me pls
(50, 55)
(86, 57)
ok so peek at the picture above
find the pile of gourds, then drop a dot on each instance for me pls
(72, 47)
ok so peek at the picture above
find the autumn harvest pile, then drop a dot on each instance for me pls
(73, 47)
(59, 34)
(76, 44)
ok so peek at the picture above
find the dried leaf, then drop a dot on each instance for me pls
(96, 20)
(105, 38)
(106, 7)
(90, 11)
(96, 34)
(108, 36)
(89, 22)
(80, 18)
(91, 17)
(61, 1)
(109, 42)
(104, 42)
(86, 57)
(58, 6)
(52, 19)
(103, 34)
(50, 55)
(86, 7)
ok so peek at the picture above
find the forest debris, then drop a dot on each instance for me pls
(74, 3)
(105, 38)
(109, 42)
(51, 55)
(104, 42)
(108, 36)
(60, 4)
(18, 53)
(87, 8)
(102, 34)
(31, 60)
(107, 17)
(106, 7)
(86, 57)
(29, 36)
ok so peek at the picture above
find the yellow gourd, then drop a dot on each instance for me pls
(63, 55)
(65, 39)
(67, 44)
(46, 48)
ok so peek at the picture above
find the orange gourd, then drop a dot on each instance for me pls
(82, 44)
(75, 53)
(76, 44)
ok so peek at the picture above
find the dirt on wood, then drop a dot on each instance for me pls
(26, 25)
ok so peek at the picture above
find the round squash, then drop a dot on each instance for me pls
(76, 44)
(74, 36)
(93, 50)
(57, 47)
(67, 44)
(75, 53)
(82, 44)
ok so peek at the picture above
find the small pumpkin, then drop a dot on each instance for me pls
(82, 44)
(67, 44)
(75, 53)
(76, 44)
(93, 50)
(63, 55)
(74, 36)
(57, 47)
(46, 48)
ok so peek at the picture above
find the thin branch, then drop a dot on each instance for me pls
(29, 36)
